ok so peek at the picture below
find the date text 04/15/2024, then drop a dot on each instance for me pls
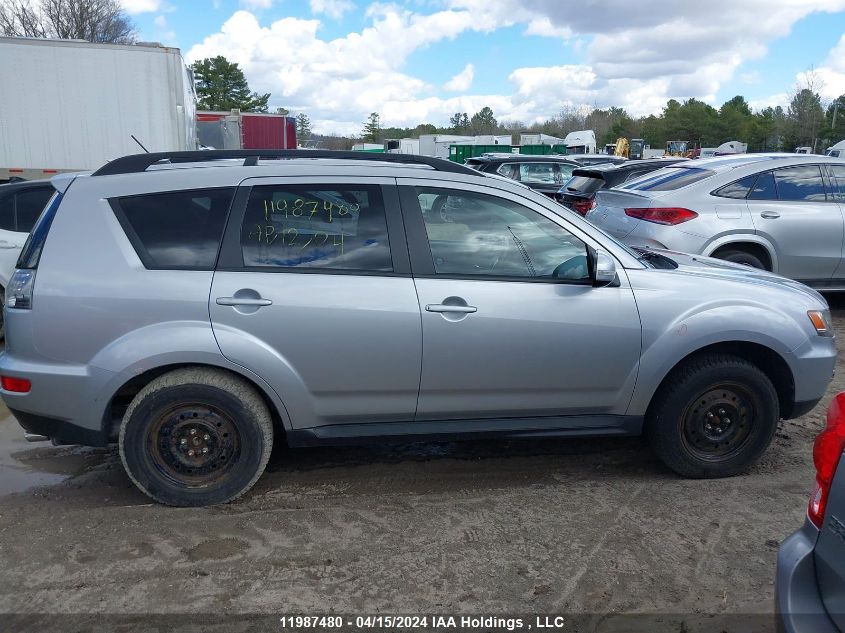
(434, 622)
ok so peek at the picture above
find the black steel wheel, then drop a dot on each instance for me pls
(194, 444)
(714, 416)
(718, 421)
(196, 436)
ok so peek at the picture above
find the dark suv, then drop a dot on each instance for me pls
(579, 192)
(545, 174)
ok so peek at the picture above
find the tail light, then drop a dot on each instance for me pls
(19, 292)
(663, 215)
(827, 451)
(15, 385)
(583, 206)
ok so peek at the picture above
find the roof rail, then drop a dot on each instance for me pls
(139, 162)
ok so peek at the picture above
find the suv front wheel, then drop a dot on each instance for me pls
(713, 417)
(195, 437)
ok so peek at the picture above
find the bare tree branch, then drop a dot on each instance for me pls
(20, 18)
(102, 21)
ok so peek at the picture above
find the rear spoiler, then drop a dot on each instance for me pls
(586, 172)
(61, 182)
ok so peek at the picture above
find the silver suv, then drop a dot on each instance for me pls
(779, 212)
(198, 307)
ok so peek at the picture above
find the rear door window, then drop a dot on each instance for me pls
(802, 182)
(669, 179)
(29, 205)
(177, 229)
(331, 227)
(544, 173)
(764, 187)
(509, 170)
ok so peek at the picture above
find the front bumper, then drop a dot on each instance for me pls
(798, 602)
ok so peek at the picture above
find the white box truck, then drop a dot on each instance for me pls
(69, 105)
(580, 142)
(837, 150)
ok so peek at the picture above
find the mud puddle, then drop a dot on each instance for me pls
(26, 465)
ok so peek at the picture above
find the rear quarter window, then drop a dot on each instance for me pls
(177, 229)
(737, 190)
(668, 179)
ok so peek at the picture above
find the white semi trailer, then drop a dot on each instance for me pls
(69, 105)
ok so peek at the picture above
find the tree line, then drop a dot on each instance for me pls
(806, 122)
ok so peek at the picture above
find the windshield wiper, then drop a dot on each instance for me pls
(524, 253)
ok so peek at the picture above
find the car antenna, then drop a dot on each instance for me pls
(139, 143)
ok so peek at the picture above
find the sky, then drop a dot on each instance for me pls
(420, 61)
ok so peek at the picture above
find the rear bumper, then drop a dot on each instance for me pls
(61, 430)
(65, 402)
(798, 603)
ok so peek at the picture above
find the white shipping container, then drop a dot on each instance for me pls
(539, 139)
(68, 105)
(429, 143)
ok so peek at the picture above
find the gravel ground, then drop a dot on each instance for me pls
(583, 527)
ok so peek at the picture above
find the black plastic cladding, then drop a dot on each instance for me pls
(140, 162)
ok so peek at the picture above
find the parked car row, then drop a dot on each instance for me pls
(782, 213)
(546, 174)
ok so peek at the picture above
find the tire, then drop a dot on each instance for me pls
(705, 393)
(175, 417)
(742, 257)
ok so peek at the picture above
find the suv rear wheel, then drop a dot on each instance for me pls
(714, 417)
(196, 436)
(741, 257)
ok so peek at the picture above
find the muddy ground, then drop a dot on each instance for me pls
(531, 527)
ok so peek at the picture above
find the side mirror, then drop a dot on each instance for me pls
(603, 269)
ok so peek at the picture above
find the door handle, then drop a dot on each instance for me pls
(243, 301)
(442, 307)
(770, 215)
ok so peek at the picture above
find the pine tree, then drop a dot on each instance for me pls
(221, 85)
(303, 127)
(372, 128)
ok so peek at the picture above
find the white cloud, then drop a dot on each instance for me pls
(332, 8)
(462, 81)
(831, 73)
(254, 5)
(134, 7)
(165, 34)
(635, 55)
(772, 101)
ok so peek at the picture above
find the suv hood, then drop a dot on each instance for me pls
(713, 268)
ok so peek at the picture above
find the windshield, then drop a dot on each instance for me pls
(668, 179)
